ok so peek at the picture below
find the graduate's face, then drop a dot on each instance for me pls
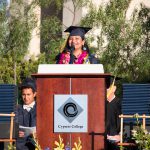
(111, 91)
(76, 41)
(28, 96)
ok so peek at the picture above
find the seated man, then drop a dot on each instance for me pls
(26, 113)
(113, 107)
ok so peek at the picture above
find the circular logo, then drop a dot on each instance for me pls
(70, 110)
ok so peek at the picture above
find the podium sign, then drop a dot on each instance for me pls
(70, 113)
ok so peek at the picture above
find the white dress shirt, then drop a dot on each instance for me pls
(28, 107)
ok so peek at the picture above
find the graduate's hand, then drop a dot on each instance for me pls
(117, 137)
(21, 134)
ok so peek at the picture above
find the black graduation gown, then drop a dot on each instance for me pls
(28, 119)
(113, 121)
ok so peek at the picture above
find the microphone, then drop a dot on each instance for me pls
(71, 49)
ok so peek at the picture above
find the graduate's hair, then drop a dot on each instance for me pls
(28, 83)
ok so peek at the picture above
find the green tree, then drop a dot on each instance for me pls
(121, 43)
(123, 46)
(17, 23)
(142, 58)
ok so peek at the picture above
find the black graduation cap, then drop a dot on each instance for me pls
(28, 83)
(111, 80)
(77, 31)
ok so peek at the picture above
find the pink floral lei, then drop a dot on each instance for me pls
(65, 58)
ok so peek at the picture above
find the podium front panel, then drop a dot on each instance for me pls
(93, 86)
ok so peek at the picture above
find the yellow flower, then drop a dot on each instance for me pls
(77, 146)
(60, 144)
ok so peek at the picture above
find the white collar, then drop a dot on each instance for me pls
(28, 107)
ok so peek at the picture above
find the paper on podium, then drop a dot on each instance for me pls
(71, 68)
(27, 130)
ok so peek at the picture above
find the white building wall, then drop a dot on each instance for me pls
(34, 45)
(135, 4)
(71, 15)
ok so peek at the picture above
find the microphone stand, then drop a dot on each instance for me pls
(72, 48)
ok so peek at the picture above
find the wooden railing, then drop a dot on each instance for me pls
(12, 115)
(121, 128)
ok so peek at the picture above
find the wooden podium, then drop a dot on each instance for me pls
(91, 84)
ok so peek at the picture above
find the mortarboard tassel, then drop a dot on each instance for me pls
(111, 87)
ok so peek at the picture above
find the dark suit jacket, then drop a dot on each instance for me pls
(27, 119)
